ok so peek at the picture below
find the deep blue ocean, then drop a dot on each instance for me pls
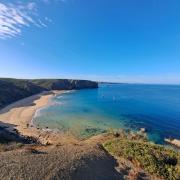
(130, 106)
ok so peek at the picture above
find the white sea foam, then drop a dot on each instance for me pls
(50, 103)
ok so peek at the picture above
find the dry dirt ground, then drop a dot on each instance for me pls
(63, 162)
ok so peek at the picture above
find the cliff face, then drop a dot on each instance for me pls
(73, 84)
(15, 89)
(65, 84)
(12, 90)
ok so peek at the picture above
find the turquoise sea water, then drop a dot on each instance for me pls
(88, 112)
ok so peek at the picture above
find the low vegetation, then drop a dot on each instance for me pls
(154, 159)
(10, 146)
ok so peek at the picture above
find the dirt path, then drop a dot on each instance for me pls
(69, 161)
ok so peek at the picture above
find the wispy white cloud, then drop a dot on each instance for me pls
(31, 6)
(49, 1)
(13, 17)
(48, 19)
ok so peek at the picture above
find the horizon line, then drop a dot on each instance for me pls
(98, 81)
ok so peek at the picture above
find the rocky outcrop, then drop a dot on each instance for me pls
(175, 142)
(12, 90)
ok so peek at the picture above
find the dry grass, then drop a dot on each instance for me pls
(10, 146)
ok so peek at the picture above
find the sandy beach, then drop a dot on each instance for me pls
(19, 116)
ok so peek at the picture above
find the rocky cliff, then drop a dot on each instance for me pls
(64, 84)
(15, 89)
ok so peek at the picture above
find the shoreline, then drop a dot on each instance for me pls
(18, 116)
(49, 103)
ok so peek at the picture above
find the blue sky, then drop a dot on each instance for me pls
(106, 40)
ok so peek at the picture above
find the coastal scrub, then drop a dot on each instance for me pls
(154, 159)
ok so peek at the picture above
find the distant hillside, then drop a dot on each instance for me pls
(12, 90)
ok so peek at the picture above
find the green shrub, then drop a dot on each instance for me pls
(153, 158)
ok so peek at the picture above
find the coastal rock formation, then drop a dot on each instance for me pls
(175, 142)
(12, 90)
(142, 130)
(65, 84)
